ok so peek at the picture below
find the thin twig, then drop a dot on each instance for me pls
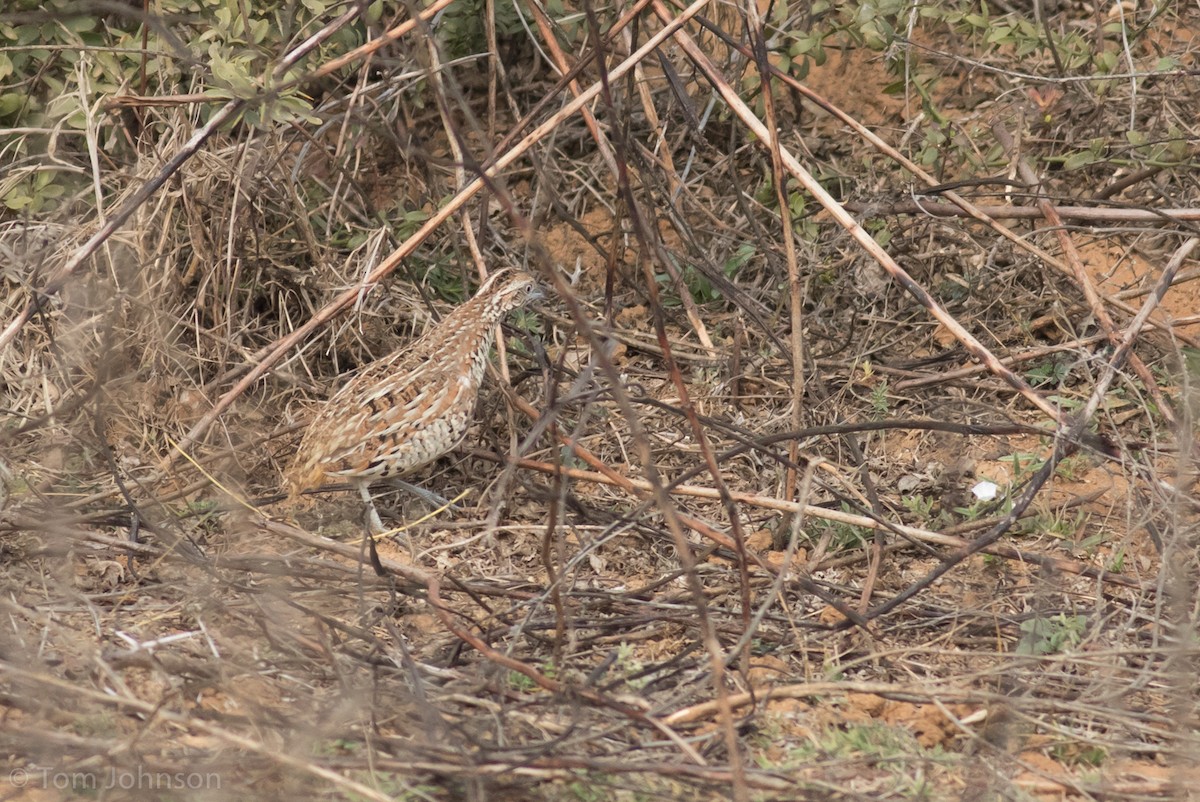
(1082, 279)
(1084, 214)
(852, 226)
(339, 304)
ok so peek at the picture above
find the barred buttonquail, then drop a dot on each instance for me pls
(409, 408)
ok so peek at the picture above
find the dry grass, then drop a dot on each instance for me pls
(681, 570)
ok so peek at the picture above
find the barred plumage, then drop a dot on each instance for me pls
(407, 409)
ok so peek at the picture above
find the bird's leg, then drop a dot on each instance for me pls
(428, 496)
(374, 526)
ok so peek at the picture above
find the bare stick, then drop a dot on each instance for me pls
(969, 208)
(824, 513)
(1085, 214)
(1082, 279)
(409, 246)
(189, 149)
(1065, 441)
(848, 222)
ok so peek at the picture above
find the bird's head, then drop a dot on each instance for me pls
(510, 289)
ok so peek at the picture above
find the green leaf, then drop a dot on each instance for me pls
(1177, 145)
(233, 73)
(218, 93)
(79, 24)
(28, 34)
(1000, 33)
(873, 36)
(738, 260)
(259, 31)
(17, 200)
(1106, 61)
(1077, 160)
(10, 103)
(803, 45)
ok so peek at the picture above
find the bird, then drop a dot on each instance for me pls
(405, 410)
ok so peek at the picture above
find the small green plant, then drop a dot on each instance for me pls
(1058, 524)
(699, 286)
(1064, 402)
(1072, 467)
(1074, 753)
(893, 750)
(934, 147)
(1169, 151)
(744, 253)
(409, 223)
(985, 493)
(446, 283)
(1117, 563)
(797, 201)
(879, 399)
(338, 747)
(769, 730)
(463, 31)
(206, 515)
(1090, 543)
(975, 511)
(1023, 464)
(1050, 373)
(920, 506)
(630, 667)
(800, 50)
(870, 739)
(1051, 635)
(1191, 366)
(1096, 151)
(32, 193)
(519, 682)
(880, 231)
(526, 320)
(584, 790)
(842, 536)
(68, 63)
